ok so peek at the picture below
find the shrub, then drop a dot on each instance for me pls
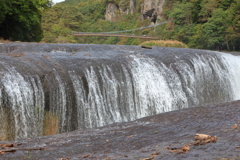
(166, 43)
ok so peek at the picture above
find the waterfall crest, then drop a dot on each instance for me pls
(52, 89)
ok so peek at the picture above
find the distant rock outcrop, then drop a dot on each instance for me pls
(152, 9)
(127, 7)
(130, 7)
(111, 9)
(150, 4)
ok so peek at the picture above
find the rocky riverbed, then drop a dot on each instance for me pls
(154, 137)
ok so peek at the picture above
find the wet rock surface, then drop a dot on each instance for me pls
(145, 137)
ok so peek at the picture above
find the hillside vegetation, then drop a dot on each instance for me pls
(208, 24)
(85, 16)
(203, 24)
(166, 43)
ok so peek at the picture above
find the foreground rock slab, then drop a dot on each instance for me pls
(146, 138)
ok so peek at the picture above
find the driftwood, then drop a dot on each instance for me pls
(86, 156)
(11, 148)
(183, 149)
(147, 47)
(15, 149)
(3, 146)
(67, 158)
(153, 155)
(200, 139)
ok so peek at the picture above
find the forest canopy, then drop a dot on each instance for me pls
(207, 24)
(20, 20)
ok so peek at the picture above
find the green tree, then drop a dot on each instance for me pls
(4, 9)
(232, 32)
(182, 13)
(214, 29)
(59, 21)
(20, 20)
(225, 4)
(93, 10)
(207, 7)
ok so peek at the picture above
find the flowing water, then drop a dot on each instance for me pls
(49, 89)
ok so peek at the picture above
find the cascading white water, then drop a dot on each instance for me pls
(151, 92)
(233, 65)
(139, 86)
(59, 102)
(24, 100)
(153, 88)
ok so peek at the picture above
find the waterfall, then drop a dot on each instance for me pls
(22, 104)
(51, 90)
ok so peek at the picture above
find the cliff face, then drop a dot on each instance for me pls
(129, 7)
(111, 9)
(150, 4)
(124, 7)
(132, 6)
